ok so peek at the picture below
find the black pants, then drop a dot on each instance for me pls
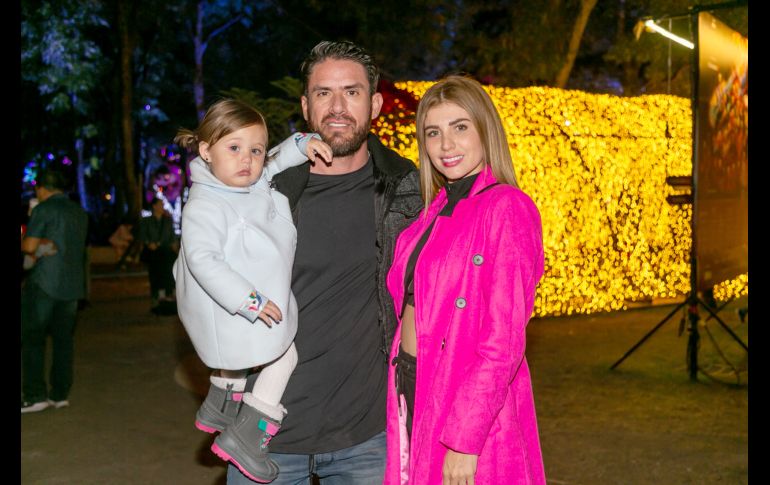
(406, 374)
(43, 315)
(159, 268)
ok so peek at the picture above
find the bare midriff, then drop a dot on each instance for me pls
(408, 333)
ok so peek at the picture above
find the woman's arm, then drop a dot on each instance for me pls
(514, 241)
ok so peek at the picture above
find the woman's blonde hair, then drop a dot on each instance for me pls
(470, 96)
(222, 118)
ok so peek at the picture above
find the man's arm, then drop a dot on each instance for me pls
(38, 246)
(30, 244)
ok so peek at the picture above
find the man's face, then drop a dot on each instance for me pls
(157, 208)
(338, 105)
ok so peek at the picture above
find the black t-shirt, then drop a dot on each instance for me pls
(336, 396)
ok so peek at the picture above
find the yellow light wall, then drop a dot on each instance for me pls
(596, 166)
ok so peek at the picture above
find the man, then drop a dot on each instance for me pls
(156, 232)
(348, 214)
(56, 235)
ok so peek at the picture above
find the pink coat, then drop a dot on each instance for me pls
(474, 290)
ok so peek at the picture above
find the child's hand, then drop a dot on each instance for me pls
(46, 248)
(317, 151)
(270, 314)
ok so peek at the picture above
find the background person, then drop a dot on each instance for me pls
(56, 236)
(160, 246)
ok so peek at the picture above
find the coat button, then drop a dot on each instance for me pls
(478, 259)
(460, 302)
(272, 214)
(443, 342)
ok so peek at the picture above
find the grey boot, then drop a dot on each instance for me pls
(245, 444)
(219, 409)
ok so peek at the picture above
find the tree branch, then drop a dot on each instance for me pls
(222, 28)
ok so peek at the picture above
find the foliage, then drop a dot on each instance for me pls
(63, 66)
(281, 113)
(57, 56)
(71, 81)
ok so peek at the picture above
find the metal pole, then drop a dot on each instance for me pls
(692, 341)
(668, 74)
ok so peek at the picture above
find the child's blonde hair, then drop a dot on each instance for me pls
(222, 118)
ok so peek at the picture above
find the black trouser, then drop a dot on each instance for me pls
(160, 263)
(406, 374)
(41, 315)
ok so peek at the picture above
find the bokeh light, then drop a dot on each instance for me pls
(596, 166)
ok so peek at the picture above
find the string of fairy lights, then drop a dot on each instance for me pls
(596, 166)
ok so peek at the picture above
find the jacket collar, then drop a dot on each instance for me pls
(484, 180)
(387, 163)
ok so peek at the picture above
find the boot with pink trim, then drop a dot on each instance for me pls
(219, 409)
(245, 444)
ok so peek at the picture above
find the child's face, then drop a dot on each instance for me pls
(237, 159)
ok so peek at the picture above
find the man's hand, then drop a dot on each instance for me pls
(459, 468)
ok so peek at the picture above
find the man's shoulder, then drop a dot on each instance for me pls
(56, 204)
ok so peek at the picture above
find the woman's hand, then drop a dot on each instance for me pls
(459, 468)
(319, 150)
(271, 313)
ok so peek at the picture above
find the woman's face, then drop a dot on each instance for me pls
(452, 142)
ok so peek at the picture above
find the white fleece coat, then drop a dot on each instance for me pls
(235, 239)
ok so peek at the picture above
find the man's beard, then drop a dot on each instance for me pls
(342, 146)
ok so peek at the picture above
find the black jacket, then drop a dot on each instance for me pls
(397, 204)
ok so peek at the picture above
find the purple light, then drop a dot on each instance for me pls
(147, 107)
(66, 161)
(50, 156)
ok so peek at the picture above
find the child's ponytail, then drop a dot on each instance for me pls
(187, 139)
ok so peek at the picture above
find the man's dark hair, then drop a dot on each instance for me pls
(52, 179)
(342, 50)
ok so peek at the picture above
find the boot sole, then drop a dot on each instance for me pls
(226, 457)
(207, 429)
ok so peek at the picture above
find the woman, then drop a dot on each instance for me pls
(460, 404)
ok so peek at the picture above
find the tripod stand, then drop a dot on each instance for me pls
(692, 301)
(701, 167)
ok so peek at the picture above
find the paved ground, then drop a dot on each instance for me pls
(138, 384)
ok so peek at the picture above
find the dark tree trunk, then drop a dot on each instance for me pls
(586, 6)
(126, 101)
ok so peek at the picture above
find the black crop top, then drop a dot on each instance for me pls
(455, 193)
